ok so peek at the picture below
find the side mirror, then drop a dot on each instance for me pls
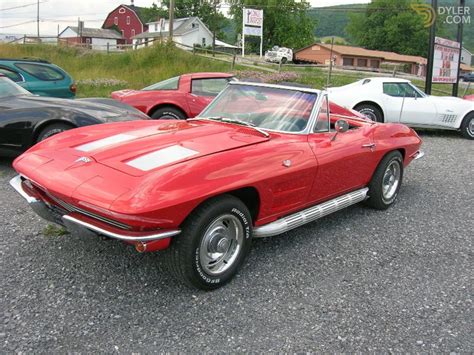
(341, 126)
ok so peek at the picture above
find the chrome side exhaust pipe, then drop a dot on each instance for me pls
(310, 214)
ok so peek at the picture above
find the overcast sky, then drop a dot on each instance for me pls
(19, 16)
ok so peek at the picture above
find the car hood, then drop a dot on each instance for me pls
(449, 103)
(143, 147)
(46, 102)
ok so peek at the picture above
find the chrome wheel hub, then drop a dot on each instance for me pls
(391, 180)
(369, 114)
(221, 244)
(471, 127)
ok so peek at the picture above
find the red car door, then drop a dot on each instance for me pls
(345, 162)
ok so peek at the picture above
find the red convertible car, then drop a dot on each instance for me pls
(260, 160)
(180, 97)
(469, 97)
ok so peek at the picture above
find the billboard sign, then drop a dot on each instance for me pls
(252, 25)
(446, 61)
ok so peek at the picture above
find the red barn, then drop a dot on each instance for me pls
(127, 19)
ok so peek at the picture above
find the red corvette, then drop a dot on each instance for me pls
(469, 97)
(176, 98)
(260, 160)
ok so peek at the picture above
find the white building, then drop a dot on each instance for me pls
(466, 56)
(188, 31)
(94, 38)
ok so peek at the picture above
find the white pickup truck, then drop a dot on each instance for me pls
(277, 54)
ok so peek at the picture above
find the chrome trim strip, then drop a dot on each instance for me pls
(310, 214)
(16, 184)
(124, 237)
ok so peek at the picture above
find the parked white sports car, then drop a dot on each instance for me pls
(398, 100)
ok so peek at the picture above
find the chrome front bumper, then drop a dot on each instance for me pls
(78, 225)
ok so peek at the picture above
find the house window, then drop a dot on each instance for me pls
(116, 21)
(348, 62)
(128, 20)
(195, 25)
(156, 27)
(203, 42)
(121, 10)
(133, 33)
(88, 40)
(374, 63)
(361, 62)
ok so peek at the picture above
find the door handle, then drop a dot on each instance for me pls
(369, 145)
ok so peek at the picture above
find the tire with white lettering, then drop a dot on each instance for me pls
(168, 113)
(214, 242)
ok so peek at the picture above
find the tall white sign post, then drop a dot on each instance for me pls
(252, 25)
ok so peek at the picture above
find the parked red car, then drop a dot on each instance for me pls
(180, 97)
(260, 160)
(469, 97)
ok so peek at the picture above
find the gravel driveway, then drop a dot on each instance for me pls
(359, 280)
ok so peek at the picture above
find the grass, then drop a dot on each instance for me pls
(132, 69)
(98, 74)
(52, 230)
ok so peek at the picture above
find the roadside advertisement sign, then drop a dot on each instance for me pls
(252, 25)
(446, 59)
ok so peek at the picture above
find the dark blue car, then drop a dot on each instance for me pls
(39, 77)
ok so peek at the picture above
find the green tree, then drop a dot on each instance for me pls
(285, 22)
(389, 25)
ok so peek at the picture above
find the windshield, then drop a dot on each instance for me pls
(270, 108)
(9, 88)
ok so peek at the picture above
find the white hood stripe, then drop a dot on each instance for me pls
(161, 157)
(101, 143)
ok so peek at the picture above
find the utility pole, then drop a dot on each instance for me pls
(462, 4)
(170, 32)
(38, 18)
(214, 29)
(429, 67)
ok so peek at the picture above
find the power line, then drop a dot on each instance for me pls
(21, 6)
(18, 24)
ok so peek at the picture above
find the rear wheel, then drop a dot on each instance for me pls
(213, 244)
(168, 113)
(467, 126)
(51, 130)
(370, 111)
(386, 182)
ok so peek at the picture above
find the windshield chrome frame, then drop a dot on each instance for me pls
(312, 116)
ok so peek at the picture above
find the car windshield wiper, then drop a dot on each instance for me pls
(234, 120)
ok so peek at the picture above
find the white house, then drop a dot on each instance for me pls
(188, 31)
(94, 38)
(466, 56)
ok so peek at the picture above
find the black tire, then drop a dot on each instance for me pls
(467, 126)
(370, 111)
(185, 258)
(283, 60)
(377, 198)
(51, 130)
(168, 113)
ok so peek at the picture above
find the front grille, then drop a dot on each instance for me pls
(64, 207)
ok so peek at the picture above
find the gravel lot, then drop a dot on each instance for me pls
(359, 280)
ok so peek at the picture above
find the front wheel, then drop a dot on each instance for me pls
(213, 245)
(386, 182)
(467, 126)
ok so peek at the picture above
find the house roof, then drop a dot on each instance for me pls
(140, 11)
(181, 26)
(95, 32)
(362, 52)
